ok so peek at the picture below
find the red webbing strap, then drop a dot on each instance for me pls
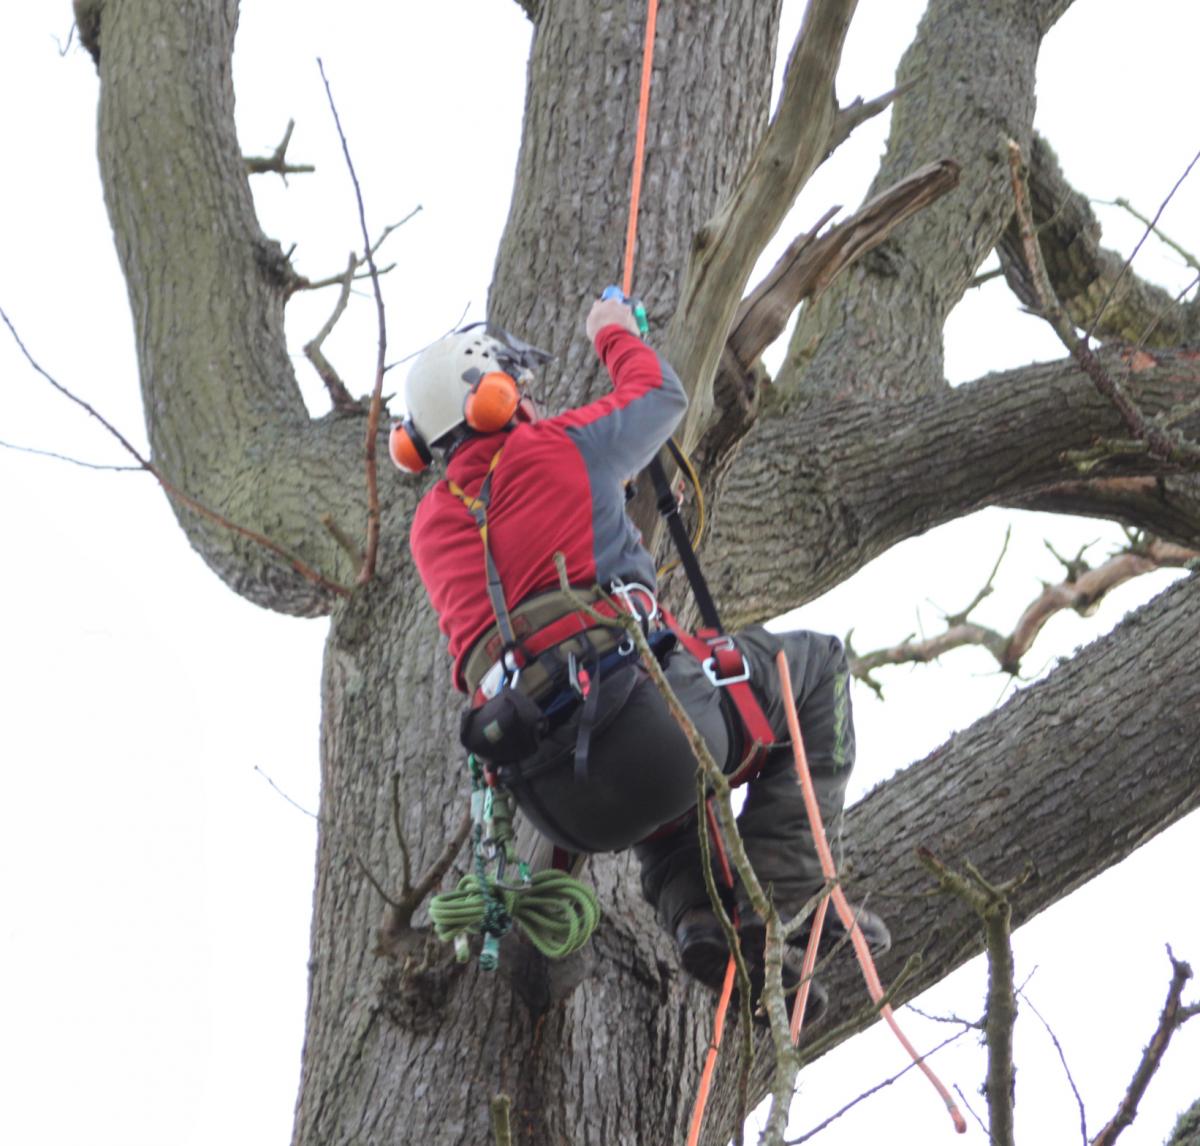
(757, 730)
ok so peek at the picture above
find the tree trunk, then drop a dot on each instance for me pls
(398, 1049)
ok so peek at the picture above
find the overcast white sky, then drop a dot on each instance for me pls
(156, 890)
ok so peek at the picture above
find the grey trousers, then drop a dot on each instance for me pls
(641, 773)
(773, 823)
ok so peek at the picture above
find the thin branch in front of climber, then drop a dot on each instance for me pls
(992, 904)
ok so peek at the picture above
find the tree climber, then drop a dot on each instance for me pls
(560, 707)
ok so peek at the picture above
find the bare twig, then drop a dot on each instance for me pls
(1146, 234)
(810, 1134)
(401, 842)
(1067, 1070)
(277, 162)
(368, 567)
(967, 1103)
(306, 571)
(1151, 227)
(299, 807)
(65, 458)
(65, 47)
(1173, 1016)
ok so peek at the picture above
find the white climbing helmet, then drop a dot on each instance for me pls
(441, 379)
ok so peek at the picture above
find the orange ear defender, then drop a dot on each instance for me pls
(492, 402)
(408, 448)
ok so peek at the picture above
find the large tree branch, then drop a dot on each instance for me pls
(819, 490)
(225, 417)
(1049, 767)
(1167, 506)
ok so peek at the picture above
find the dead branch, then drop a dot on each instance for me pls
(368, 567)
(809, 265)
(341, 398)
(277, 162)
(1173, 1016)
(806, 268)
(858, 111)
(1082, 590)
(305, 570)
(726, 247)
(1161, 444)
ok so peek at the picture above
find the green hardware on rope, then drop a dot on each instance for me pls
(639, 311)
(556, 913)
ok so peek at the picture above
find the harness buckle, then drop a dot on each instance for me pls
(727, 665)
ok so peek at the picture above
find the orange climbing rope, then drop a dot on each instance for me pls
(843, 908)
(845, 912)
(639, 147)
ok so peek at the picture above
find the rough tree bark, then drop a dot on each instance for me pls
(862, 441)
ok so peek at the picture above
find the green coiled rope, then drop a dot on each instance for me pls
(554, 911)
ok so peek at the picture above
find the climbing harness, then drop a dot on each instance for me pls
(555, 912)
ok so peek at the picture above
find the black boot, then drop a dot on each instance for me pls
(704, 954)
